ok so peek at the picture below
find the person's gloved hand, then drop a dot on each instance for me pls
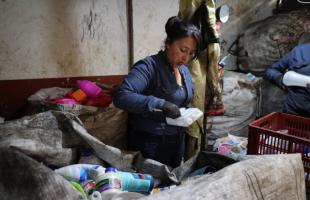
(279, 83)
(171, 110)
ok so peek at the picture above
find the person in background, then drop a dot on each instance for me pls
(155, 88)
(298, 59)
(204, 69)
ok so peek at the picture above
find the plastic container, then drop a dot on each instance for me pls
(88, 186)
(188, 116)
(136, 182)
(250, 77)
(90, 88)
(78, 172)
(79, 188)
(78, 95)
(292, 78)
(95, 196)
(279, 133)
(108, 183)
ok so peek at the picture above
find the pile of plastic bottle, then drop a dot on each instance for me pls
(95, 182)
(87, 93)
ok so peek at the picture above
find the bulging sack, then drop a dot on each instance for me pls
(108, 124)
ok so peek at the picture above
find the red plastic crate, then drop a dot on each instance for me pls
(281, 133)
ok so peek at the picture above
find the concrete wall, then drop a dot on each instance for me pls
(149, 19)
(149, 32)
(57, 38)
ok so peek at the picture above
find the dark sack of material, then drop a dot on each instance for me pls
(265, 42)
(26, 179)
(108, 124)
(40, 136)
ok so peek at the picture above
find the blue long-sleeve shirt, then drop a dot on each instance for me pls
(298, 60)
(148, 85)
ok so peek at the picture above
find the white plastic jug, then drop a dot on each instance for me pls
(188, 116)
(292, 78)
(108, 183)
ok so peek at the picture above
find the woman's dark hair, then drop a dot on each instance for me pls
(176, 28)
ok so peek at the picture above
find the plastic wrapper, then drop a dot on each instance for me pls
(188, 116)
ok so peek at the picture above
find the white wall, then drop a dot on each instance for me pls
(149, 19)
(61, 38)
(65, 38)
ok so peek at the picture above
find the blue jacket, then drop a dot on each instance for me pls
(149, 83)
(298, 60)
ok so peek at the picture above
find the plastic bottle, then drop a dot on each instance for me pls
(250, 77)
(90, 88)
(79, 188)
(95, 196)
(77, 172)
(136, 182)
(292, 78)
(108, 183)
(79, 96)
(88, 186)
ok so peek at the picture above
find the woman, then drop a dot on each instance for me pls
(156, 87)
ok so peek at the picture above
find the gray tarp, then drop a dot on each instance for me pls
(247, 177)
(45, 137)
(272, 177)
(23, 178)
(241, 99)
(108, 124)
(39, 136)
(244, 101)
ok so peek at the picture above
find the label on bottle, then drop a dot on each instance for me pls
(109, 183)
(136, 182)
(88, 186)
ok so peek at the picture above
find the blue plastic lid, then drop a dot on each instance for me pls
(110, 169)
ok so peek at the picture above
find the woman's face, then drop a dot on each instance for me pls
(181, 51)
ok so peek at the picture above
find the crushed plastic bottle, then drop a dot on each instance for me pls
(77, 172)
(136, 182)
(108, 183)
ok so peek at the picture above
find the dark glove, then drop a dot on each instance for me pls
(171, 110)
(279, 83)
